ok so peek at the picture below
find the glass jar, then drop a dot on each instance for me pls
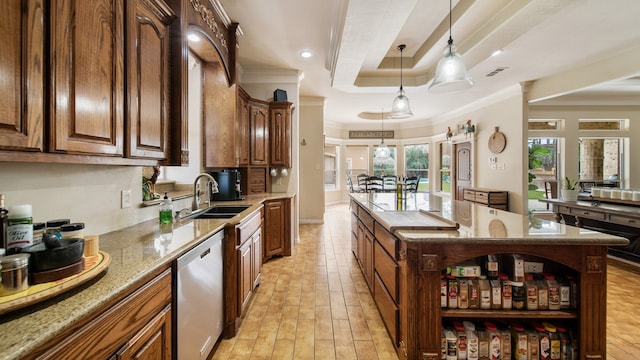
(596, 192)
(38, 231)
(73, 230)
(15, 273)
(616, 193)
(626, 194)
(636, 195)
(53, 227)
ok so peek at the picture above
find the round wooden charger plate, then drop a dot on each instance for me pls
(497, 142)
(93, 266)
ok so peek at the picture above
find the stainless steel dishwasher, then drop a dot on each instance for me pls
(200, 311)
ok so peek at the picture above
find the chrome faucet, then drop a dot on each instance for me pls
(212, 188)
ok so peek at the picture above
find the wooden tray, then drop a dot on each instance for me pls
(93, 266)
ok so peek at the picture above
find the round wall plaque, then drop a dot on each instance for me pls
(497, 142)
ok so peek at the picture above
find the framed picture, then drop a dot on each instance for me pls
(461, 127)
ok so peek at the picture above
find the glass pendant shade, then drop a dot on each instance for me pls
(451, 73)
(382, 152)
(400, 108)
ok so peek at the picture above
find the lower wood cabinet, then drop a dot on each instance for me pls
(136, 327)
(242, 252)
(153, 342)
(277, 228)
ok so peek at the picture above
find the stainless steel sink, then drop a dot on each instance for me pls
(220, 212)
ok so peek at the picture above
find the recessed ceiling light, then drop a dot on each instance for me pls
(306, 53)
(497, 52)
(193, 37)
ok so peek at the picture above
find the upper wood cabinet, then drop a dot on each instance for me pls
(219, 111)
(22, 81)
(147, 61)
(259, 133)
(104, 80)
(280, 133)
(87, 87)
(242, 128)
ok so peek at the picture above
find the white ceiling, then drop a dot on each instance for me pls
(356, 64)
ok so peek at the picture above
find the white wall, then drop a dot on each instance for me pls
(311, 161)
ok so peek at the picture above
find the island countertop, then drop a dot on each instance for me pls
(477, 224)
(136, 252)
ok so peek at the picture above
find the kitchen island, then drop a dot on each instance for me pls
(403, 259)
(140, 276)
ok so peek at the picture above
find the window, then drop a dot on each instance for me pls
(444, 183)
(386, 166)
(357, 161)
(600, 162)
(416, 160)
(331, 157)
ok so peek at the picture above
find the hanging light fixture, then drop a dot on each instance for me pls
(451, 73)
(400, 108)
(382, 152)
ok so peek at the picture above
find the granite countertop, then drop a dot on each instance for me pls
(477, 223)
(136, 252)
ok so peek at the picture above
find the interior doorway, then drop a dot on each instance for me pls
(462, 166)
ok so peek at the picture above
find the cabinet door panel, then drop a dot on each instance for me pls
(151, 343)
(274, 228)
(256, 254)
(148, 78)
(280, 134)
(259, 135)
(242, 128)
(87, 100)
(22, 83)
(245, 281)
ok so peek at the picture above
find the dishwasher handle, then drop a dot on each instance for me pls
(201, 250)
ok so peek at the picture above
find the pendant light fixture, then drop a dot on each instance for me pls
(382, 151)
(451, 73)
(400, 108)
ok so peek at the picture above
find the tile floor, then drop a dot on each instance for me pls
(316, 305)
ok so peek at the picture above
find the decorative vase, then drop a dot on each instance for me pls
(569, 195)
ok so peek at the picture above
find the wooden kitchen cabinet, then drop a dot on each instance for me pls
(259, 133)
(242, 128)
(153, 342)
(147, 84)
(219, 117)
(277, 225)
(22, 95)
(136, 327)
(242, 253)
(87, 72)
(280, 133)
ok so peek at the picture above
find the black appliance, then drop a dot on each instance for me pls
(228, 185)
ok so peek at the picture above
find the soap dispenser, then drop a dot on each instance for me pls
(166, 210)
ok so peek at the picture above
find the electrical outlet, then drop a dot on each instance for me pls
(125, 199)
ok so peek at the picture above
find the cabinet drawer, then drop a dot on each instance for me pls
(366, 219)
(469, 195)
(596, 215)
(387, 240)
(387, 269)
(625, 220)
(388, 309)
(248, 227)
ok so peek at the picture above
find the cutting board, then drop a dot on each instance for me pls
(93, 266)
(415, 220)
